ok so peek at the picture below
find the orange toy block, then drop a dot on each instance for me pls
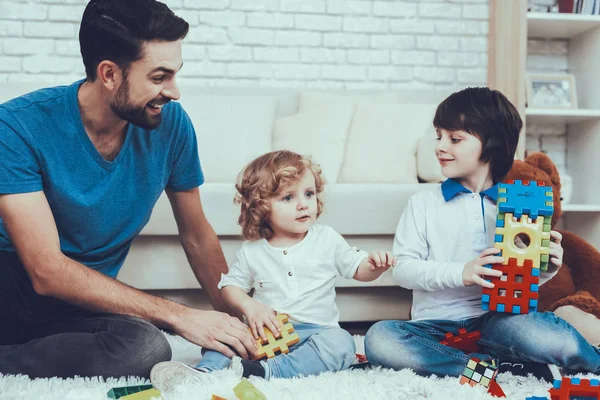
(271, 345)
(571, 388)
(465, 341)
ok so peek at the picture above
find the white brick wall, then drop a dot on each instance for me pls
(548, 56)
(366, 44)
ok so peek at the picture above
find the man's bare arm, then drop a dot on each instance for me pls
(201, 245)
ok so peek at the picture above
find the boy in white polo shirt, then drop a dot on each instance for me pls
(292, 264)
(440, 231)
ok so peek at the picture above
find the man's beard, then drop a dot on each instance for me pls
(131, 113)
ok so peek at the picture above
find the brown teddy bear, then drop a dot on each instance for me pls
(574, 293)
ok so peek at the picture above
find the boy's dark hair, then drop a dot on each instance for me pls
(489, 115)
(115, 30)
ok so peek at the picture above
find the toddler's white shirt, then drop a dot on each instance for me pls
(297, 280)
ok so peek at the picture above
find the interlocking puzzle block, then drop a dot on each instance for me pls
(515, 291)
(144, 395)
(508, 229)
(478, 372)
(119, 392)
(247, 391)
(465, 341)
(525, 197)
(271, 345)
(571, 388)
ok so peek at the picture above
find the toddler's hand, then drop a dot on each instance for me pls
(474, 270)
(259, 315)
(381, 259)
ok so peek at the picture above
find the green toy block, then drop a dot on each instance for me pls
(246, 391)
(117, 393)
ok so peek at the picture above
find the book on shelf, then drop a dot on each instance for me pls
(585, 7)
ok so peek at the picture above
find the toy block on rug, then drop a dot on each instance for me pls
(121, 392)
(150, 394)
(268, 347)
(479, 372)
(575, 388)
(247, 391)
(465, 341)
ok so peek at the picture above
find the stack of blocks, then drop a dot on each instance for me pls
(575, 388)
(271, 345)
(524, 209)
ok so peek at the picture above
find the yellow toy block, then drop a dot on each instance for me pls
(145, 395)
(271, 345)
(538, 249)
(247, 391)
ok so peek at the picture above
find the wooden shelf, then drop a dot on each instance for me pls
(560, 25)
(581, 208)
(560, 115)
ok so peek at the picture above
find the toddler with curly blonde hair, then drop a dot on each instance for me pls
(291, 263)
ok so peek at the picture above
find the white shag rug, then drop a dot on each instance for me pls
(351, 384)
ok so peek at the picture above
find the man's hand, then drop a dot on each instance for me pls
(474, 270)
(214, 330)
(258, 316)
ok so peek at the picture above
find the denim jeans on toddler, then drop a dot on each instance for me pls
(321, 349)
(536, 337)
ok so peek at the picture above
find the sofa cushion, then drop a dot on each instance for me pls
(320, 134)
(428, 167)
(382, 143)
(231, 131)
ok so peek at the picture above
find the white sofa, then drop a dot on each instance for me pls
(366, 143)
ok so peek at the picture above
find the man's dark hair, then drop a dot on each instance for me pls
(488, 115)
(116, 30)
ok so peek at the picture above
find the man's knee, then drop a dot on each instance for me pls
(145, 346)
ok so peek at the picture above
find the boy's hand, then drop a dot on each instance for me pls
(474, 270)
(381, 259)
(259, 315)
(556, 250)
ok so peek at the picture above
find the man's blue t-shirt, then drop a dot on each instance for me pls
(99, 206)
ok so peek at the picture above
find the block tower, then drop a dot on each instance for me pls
(525, 211)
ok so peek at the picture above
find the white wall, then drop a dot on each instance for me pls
(354, 44)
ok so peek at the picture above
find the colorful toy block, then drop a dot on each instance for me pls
(495, 389)
(571, 388)
(478, 372)
(525, 197)
(247, 391)
(150, 394)
(119, 392)
(465, 341)
(271, 345)
(516, 291)
(508, 229)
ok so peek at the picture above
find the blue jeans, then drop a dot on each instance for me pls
(320, 349)
(536, 337)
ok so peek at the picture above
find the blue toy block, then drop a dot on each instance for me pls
(536, 398)
(533, 287)
(594, 382)
(516, 310)
(529, 198)
(500, 308)
(535, 272)
(485, 298)
(499, 238)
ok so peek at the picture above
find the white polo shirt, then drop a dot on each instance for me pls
(439, 232)
(297, 280)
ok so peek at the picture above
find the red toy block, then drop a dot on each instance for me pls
(465, 341)
(495, 389)
(516, 291)
(569, 388)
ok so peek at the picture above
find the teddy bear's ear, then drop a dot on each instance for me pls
(543, 162)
